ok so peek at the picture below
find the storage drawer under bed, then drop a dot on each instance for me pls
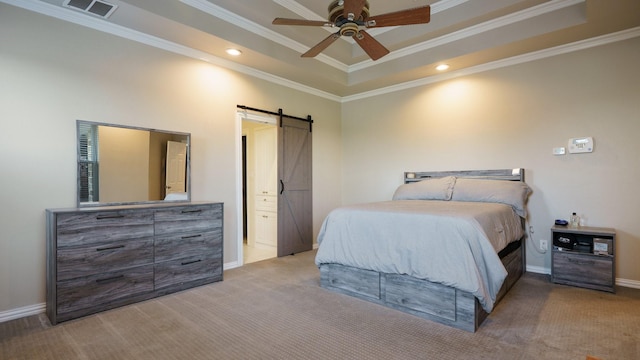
(351, 280)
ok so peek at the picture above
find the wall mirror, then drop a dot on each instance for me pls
(121, 165)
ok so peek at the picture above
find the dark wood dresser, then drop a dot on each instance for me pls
(105, 257)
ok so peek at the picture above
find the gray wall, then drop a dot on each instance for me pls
(55, 73)
(514, 117)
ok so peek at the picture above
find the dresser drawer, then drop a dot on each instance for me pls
(80, 228)
(81, 261)
(100, 289)
(188, 218)
(583, 268)
(175, 246)
(175, 272)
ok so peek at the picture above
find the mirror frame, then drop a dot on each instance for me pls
(98, 204)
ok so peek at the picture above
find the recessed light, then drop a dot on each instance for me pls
(442, 67)
(234, 52)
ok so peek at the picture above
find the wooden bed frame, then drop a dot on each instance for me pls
(429, 300)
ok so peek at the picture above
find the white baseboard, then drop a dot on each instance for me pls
(628, 283)
(538, 270)
(231, 265)
(22, 312)
(620, 282)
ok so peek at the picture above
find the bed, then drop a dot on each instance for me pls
(447, 247)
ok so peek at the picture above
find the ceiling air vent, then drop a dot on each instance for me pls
(95, 7)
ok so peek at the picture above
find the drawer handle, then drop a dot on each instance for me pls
(103, 217)
(191, 236)
(110, 248)
(191, 262)
(582, 262)
(191, 211)
(108, 280)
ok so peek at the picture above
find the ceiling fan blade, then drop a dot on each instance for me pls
(314, 51)
(283, 21)
(419, 15)
(371, 46)
(353, 7)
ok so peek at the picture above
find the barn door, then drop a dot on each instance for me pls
(295, 223)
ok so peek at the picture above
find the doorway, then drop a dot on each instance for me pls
(259, 198)
(279, 191)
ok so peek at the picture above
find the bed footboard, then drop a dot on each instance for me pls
(432, 301)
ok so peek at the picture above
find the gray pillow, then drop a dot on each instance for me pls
(514, 193)
(429, 189)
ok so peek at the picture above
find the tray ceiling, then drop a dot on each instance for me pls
(466, 34)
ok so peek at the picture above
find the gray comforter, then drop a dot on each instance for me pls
(448, 242)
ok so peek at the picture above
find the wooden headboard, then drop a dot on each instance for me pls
(516, 174)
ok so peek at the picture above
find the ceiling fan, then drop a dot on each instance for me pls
(350, 16)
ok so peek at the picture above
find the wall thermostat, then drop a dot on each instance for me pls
(581, 145)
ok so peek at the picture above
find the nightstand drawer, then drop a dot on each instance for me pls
(583, 268)
(573, 261)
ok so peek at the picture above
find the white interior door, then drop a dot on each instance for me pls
(176, 167)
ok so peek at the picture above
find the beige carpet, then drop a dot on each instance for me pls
(275, 309)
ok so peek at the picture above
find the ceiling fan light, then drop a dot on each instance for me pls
(234, 52)
(442, 67)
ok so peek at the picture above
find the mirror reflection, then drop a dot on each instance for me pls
(127, 165)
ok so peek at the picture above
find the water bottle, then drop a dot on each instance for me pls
(574, 221)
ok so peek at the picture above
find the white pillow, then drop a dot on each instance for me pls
(514, 193)
(429, 189)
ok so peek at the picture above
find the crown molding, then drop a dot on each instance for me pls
(528, 13)
(232, 18)
(110, 28)
(296, 8)
(305, 13)
(515, 60)
(121, 31)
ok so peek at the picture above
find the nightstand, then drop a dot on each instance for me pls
(583, 256)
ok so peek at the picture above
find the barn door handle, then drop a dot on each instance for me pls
(282, 187)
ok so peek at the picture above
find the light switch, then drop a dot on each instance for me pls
(559, 151)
